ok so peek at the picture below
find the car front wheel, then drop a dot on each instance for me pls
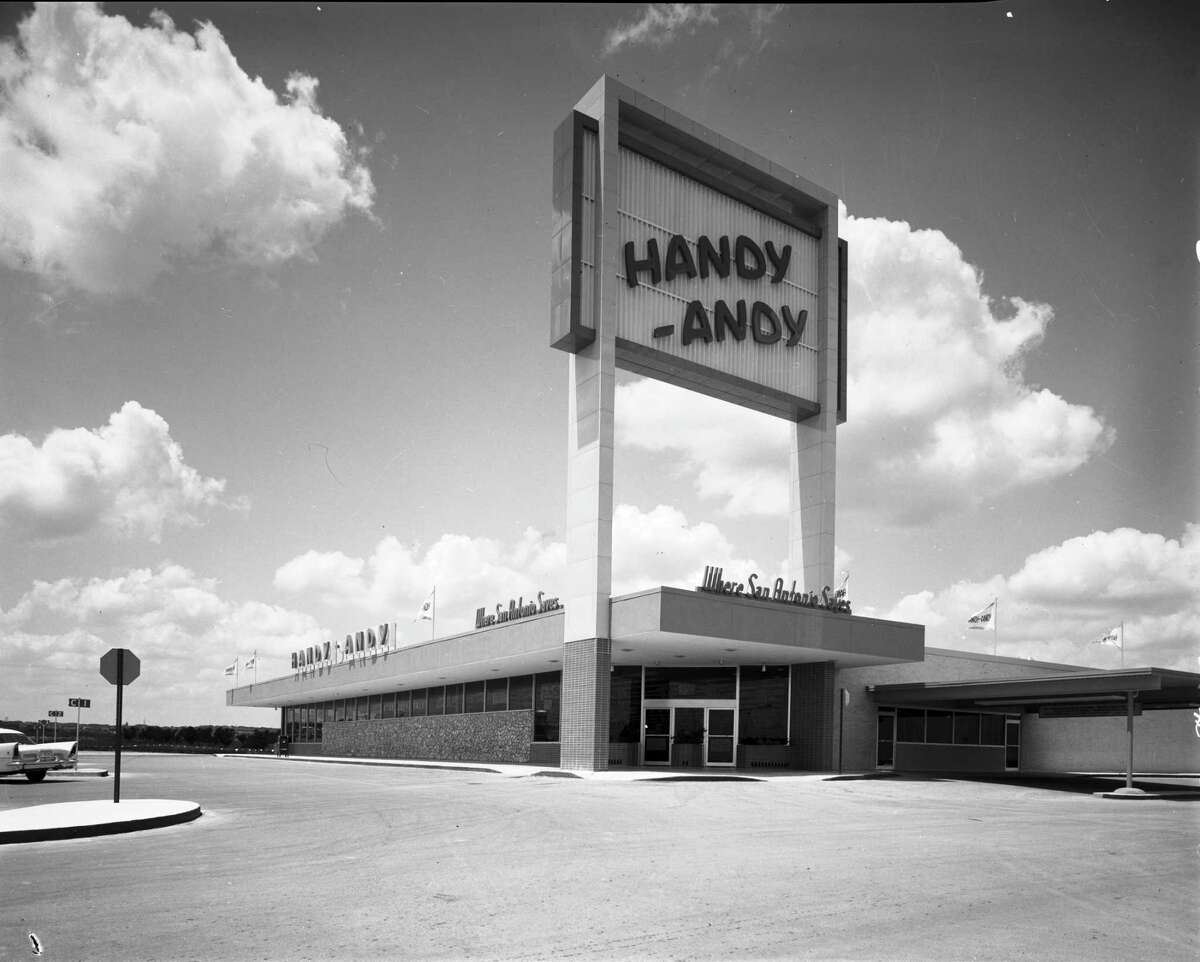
(36, 776)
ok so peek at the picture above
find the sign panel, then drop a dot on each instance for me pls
(55, 713)
(118, 670)
(79, 703)
(725, 279)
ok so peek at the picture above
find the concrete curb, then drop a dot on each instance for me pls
(43, 823)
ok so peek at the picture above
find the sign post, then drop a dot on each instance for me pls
(77, 704)
(56, 714)
(119, 667)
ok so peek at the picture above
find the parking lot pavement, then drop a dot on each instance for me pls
(309, 861)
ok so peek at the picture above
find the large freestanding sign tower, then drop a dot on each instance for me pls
(682, 256)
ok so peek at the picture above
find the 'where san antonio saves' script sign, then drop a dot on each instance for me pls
(827, 598)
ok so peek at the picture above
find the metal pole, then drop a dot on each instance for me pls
(841, 725)
(77, 711)
(117, 762)
(1129, 728)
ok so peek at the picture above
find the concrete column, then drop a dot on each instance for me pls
(813, 463)
(583, 724)
(590, 477)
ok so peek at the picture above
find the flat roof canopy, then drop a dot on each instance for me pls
(661, 626)
(1071, 693)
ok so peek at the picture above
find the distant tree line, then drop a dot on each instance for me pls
(163, 738)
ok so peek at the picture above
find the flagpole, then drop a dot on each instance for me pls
(1122, 644)
(995, 626)
(433, 619)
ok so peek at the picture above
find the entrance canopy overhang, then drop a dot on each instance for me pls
(1061, 695)
(670, 627)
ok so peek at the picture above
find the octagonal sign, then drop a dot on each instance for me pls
(118, 670)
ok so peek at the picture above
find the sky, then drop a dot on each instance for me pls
(274, 326)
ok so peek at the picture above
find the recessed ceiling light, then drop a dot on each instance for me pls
(679, 656)
(731, 649)
(627, 649)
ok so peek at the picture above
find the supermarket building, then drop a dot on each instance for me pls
(681, 256)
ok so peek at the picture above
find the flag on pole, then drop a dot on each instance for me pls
(1112, 638)
(231, 669)
(984, 619)
(426, 612)
(249, 662)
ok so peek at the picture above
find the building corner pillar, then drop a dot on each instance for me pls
(583, 718)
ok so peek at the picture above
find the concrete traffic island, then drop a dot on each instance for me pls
(42, 823)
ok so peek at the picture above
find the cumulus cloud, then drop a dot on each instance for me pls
(396, 578)
(940, 414)
(123, 149)
(650, 548)
(174, 620)
(128, 476)
(1064, 598)
(659, 24)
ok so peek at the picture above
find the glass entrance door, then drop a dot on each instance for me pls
(658, 736)
(690, 736)
(1012, 744)
(720, 737)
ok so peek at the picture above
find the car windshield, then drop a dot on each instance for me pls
(16, 737)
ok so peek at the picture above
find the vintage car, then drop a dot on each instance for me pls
(19, 755)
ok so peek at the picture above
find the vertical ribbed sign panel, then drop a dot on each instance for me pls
(658, 202)
(587, 256)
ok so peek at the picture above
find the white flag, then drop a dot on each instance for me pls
(426, 612)
(1112, 638)
(231, 669)
(249, 663)
(984, 619)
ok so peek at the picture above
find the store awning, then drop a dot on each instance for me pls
(1062, 694)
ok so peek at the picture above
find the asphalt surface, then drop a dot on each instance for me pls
(294, 860)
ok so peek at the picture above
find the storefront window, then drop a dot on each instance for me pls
(389, 705)
(437, 699)
(707, 683)
(403, 704)
(763, 705)
(497, 694)
(418, 702)
(991, 729)
(547, 693)
(966, 728)
(376, 706)
(625, 704)
(339, 710)
(328, 711)
(520, 692)
(474, 696)
(318, 722)
(454, 699)
(939, 727)
(910, 725)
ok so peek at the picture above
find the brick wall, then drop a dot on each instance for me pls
(500, 736)
(1163, 741)
(812, 716)
(583, 716)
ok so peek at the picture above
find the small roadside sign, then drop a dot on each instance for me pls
(79, 703)
(54, 713)
(120, 666)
